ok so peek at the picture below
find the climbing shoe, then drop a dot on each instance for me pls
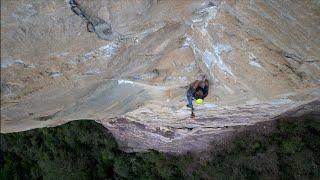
(190, 106)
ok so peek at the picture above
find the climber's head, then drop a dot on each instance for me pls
(201, 77)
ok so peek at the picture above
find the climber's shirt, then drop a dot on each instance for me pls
(197, 86)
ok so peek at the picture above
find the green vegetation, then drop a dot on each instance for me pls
(84, 150)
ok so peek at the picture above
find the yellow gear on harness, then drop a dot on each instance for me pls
(199, 101)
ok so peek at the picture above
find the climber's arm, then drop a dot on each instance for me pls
(206, 90)
(195, 84)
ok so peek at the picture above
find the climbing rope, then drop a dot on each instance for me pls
(102, 28)
(99, 26)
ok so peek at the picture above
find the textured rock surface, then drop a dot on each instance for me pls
(262, 58)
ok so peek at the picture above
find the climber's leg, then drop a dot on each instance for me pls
(190, 98)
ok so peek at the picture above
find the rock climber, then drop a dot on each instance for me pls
(198, 89)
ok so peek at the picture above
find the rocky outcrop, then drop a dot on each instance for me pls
(262, 59)
(173, 132)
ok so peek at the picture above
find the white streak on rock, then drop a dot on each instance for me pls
(93, 71)
(55, 74)
(146, 32)
(255, 64)
(253, 61)
(208, 58)
(124, 82)
(218, 49)
(106, 51)
(87, 56)
(209, 106)
(204, 15)
(7, 62)
(109, 50)
(281, 101)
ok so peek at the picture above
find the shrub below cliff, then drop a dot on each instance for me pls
(85, 150)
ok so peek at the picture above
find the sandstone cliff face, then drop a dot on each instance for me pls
(262, 59)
